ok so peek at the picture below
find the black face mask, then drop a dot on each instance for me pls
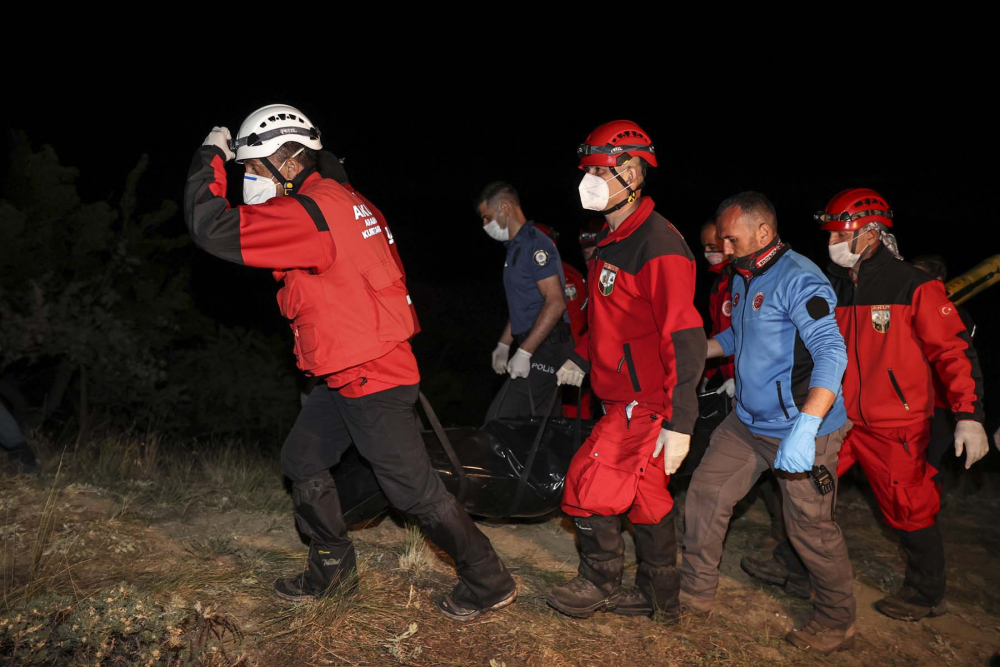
(757, 261)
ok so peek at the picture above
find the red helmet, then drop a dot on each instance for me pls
(610, 141)
(854, 208)
(548, 231)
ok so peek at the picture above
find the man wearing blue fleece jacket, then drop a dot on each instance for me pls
(789, 359)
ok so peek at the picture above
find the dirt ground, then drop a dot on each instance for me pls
(224, 559)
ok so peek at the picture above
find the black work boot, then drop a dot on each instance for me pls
(784, 569)
(657, 579)
(922, 593)
(22, 459)
(484, 582)
(598, 585)
(332, 560)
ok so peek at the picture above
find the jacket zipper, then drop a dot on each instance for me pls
(857, 353)
(739, 350)
(631, 368)
(899, 392)
(781, 401)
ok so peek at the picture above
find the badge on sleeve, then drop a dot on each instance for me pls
(880, 318)
(541, 257)
(607, 280)
(727, 307)
(570, 291)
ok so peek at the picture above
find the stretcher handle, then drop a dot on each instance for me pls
(526, 470)
(463, 483)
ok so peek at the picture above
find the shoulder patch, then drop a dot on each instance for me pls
(817, 307)
(541, 257)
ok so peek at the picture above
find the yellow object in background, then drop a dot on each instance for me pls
(974, 281)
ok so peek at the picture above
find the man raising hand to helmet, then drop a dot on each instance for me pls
(645, 351)
(350, 314)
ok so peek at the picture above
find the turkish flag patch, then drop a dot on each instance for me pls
(946, 310)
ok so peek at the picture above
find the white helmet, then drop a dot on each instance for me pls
(267, 128)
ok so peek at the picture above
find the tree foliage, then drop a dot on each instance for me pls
(97, 319)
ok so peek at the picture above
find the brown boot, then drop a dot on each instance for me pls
(907, 605)
(773, 571)
(580, 598)
(694, 606)
(821, 639)
(602, 560)
(634, 602)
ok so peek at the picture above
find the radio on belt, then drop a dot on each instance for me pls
(822, 479)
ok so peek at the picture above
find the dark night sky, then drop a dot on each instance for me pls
(421, 142)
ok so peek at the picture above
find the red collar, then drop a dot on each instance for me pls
(629, 224)
(720, 267)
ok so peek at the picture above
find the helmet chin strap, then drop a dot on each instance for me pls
(854, 246)
(288, 185)
(631, 194)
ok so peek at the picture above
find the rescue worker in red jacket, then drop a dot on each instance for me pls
(350, 315)
(901, 330)
(576, 303)
(645, 351)
(720, 306)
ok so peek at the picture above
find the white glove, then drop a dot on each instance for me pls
(221, 138)
(520, 364)
(569, 373)
(500, 358)
(971, 436)
(676, 446)
(729, 386)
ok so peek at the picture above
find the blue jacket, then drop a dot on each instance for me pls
(785, 340)
(531, 257)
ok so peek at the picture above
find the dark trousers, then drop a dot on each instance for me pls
(528, 397)
(385, 429)
(942, 439)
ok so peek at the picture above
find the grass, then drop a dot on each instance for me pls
(200, 533)
(140, 471)
(415, 557)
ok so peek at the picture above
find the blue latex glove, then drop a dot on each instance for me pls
(797, 451)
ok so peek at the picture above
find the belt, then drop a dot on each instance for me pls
(560, 334)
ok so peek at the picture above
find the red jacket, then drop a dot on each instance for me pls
(342, 288)
(393, 248)
(576, 301)
(645, 341)
(901, 330)
(720, 308)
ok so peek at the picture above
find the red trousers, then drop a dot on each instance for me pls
(614, 472)
(896, 466)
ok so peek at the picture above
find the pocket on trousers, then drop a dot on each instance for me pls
(805, 502)
(603, 489)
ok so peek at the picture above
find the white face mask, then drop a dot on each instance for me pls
(594, 192)
(495, 231)
(715, 258)
(258, 189)
(841, 255)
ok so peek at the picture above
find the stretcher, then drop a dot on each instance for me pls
(508, 468)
